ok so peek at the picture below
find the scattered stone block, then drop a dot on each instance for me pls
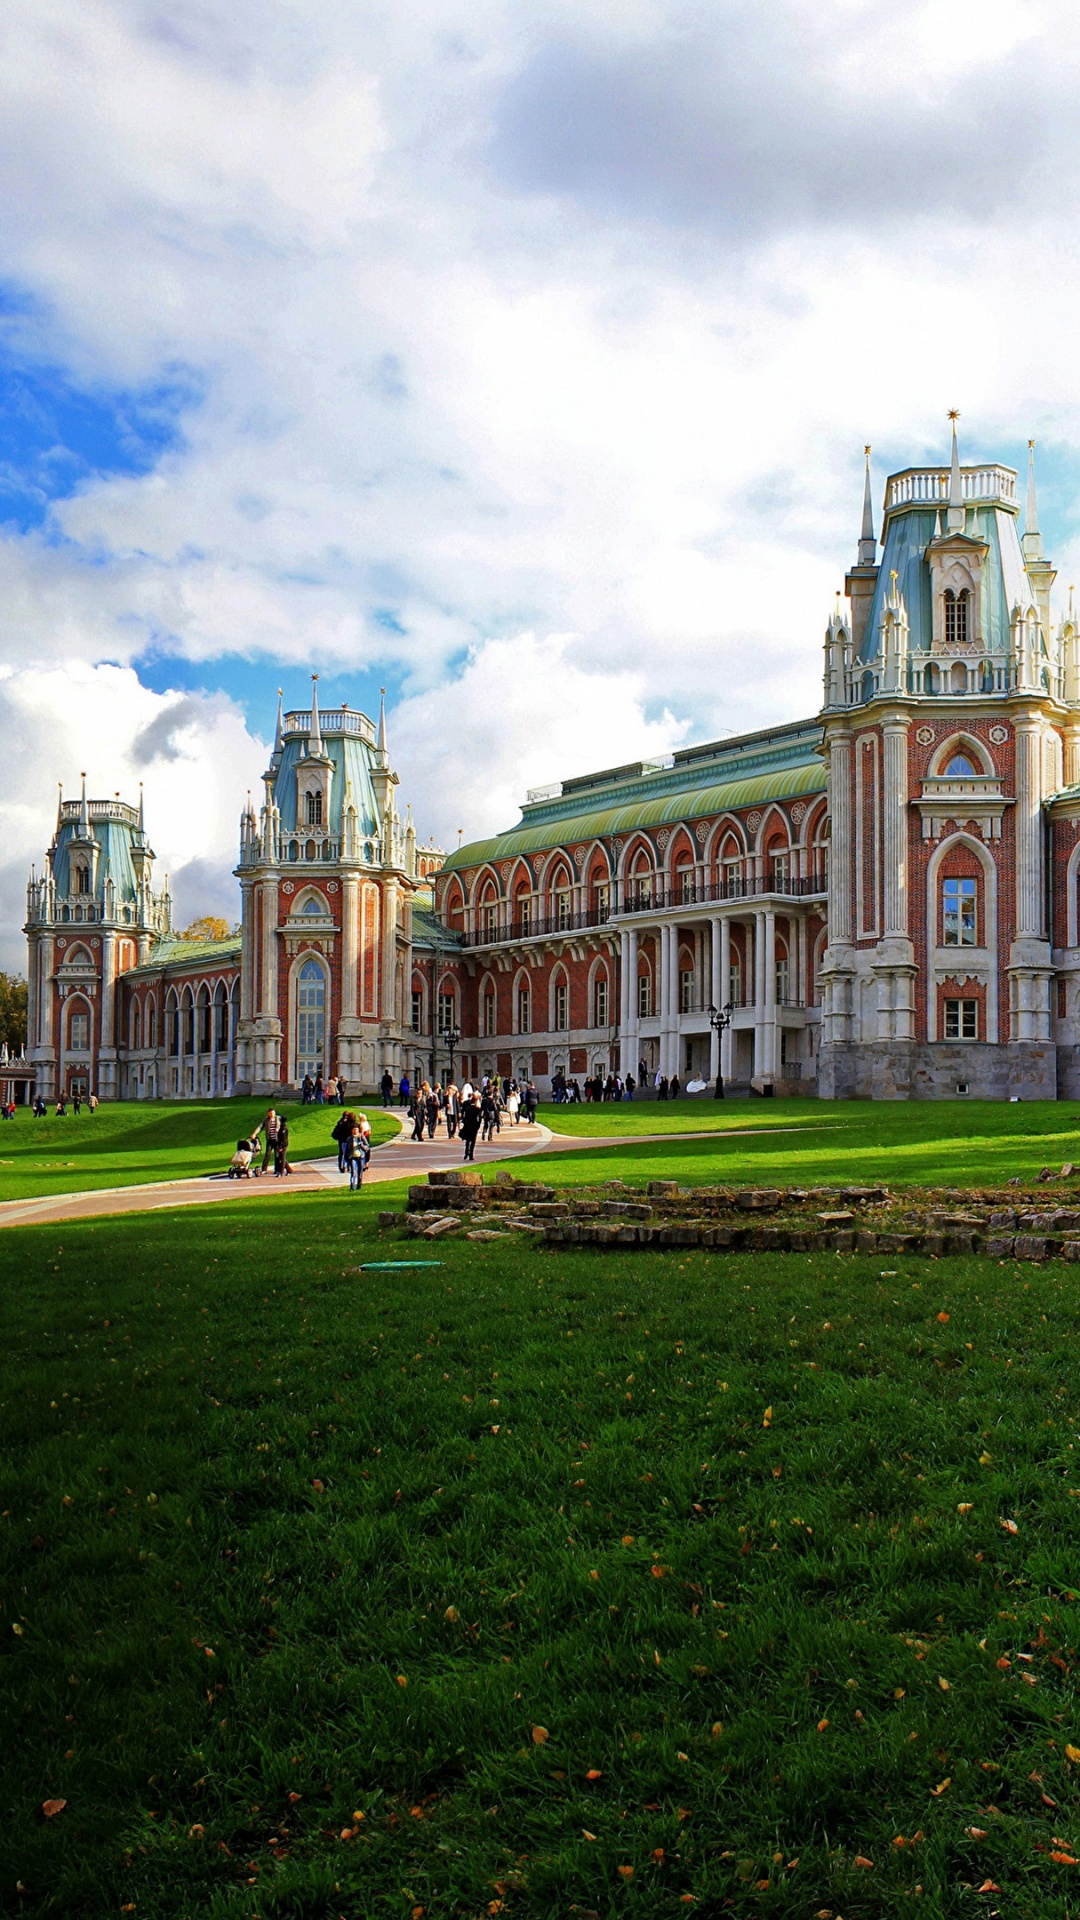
(503, 1179)
(758, 1199)
(663, 1189)
(457, 1177)
(437, 1228)
(1070, 1250)
(389, 1219)
(628, 1210)
(1031, 1246)
(487, 1233)
(998, 1246)
(835, 1219)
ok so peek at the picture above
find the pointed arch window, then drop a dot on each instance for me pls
(310, 1019)
(957, 624)
(314, 810)
(960, 768)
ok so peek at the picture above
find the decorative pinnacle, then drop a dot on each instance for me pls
(867, 537)
(954, 521)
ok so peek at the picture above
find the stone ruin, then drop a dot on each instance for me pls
(1005, 1225)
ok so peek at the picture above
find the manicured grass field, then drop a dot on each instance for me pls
(811, 1142)
(129, 1143)
(533, 1583)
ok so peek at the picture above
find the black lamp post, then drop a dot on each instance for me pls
(720, 1021)
(450, 1037)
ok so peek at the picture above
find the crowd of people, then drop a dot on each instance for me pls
(470, 1112)
(317, 1092)
(40, 1107)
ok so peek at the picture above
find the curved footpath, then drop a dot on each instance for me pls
(394, 1160)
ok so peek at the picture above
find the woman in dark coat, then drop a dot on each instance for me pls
(281, 1148)
(470, 1126)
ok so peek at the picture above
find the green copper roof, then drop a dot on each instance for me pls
(685, 803)
(192, 953)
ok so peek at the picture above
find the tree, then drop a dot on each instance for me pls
(12, 1012)
(209, 927)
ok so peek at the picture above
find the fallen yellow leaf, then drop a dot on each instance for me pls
(50, 1808)
(540, 1734)
(947, 1782)
(627, 1873)
(1073, 1754)
(943, 1684)
(966, 1506)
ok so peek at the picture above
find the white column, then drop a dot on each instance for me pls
(772, 1038)
(727, 1043)
(760, 1060)
(717, 995)
(628, 1001)
(1028, 821)
(840, 877)
(895, 824)
(350, 943)
(670, 1034)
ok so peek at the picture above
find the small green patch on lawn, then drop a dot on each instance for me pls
(475, 1587)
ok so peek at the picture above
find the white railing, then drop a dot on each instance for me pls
(929, 486)
(101, 810)
(336, 720)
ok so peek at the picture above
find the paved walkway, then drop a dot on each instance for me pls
(394, 1160)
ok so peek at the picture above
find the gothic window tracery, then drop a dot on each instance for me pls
(957, 623)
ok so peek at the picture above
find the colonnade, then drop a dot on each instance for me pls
(757, 1004)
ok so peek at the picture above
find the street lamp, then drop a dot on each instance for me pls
(720, 1021)
(450, 1037)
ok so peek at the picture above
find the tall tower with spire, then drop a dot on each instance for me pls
(326, 879)
(948, 718)
(91, 916)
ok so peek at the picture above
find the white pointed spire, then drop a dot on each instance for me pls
(142, 810)
(382, 720)
(1032, 541)
(59, 803)
(84, 816)
(315, 745)
(279, 728)
(955, 520)
(867, 537)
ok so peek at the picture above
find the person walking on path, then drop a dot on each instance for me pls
(489, 1114)
(513, 1104)
(355, 1153)
(341, 1132)
(470, 1126)
(271, 1125)
(386, 1087)
(453, 1111)
(431, 1110)
(419, 1111)
(342, 1087)
(319, 1095)
(528, 1101)
(307, 1088)
(676, 1086)
(404, 1090)
(281, 1148)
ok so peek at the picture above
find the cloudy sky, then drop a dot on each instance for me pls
(516, 356)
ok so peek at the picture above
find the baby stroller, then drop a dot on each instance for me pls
(240, 1164)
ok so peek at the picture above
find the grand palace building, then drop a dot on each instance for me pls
(882, 899)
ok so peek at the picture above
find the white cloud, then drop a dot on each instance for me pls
(490, 402)
(193, 755)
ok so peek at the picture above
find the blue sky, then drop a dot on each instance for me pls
(515, 358)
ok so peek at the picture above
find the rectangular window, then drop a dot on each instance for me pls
(644, 996)
(80, 1032)
(489, 920)
(600, 1002)
(417, 1012)
(685, 887)
(686, 992)
(562, 1007)
(489, 1015)
(733, 879)
(958, 899)
(447, 1005)
(603, 902)
(735, 983)
(523, 911)
(782, 982)
(524, 1010)
(562, 908)
(781, 872)
(961, 1019)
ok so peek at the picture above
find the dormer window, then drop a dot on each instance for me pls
(314, 809)
(82, 879)
(957, 609)
(960, 768)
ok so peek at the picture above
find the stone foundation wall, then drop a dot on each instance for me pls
(907, 1070)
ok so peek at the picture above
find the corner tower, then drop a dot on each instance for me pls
(947, 712)
(326, 877)
(90, 917)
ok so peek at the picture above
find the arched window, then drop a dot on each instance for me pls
(601, 1002)
(313, 908)
(956, 617)
(960, 768)
(310, 1019)
(82, 878)
(314, 809)
(489, 1016)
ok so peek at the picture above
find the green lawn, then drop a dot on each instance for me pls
(299, 1563)
(129, 1143)
(800, 1142)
